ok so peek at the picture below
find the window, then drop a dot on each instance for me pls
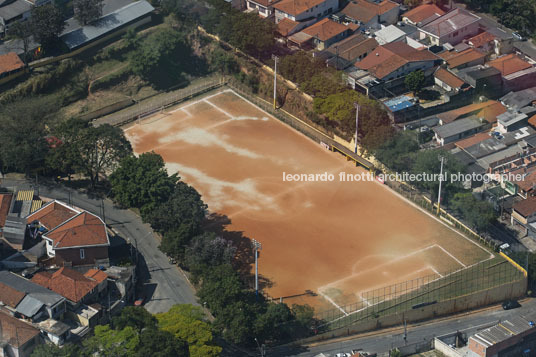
(82, 254)
(455, 34)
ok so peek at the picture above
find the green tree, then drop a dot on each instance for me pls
(187, 322)
(142, 181)
(86, 11)
(223, 62)
(50, 350)
(395, 153)
(275, 324)
(415, 81)
(47, 23)
(207, 250)
(158, 343)
(64, 158)
(162, 58)
(107, 342)
(479, 214)
(221, 287)
(23, 31)
(22, 135)
(136, 317)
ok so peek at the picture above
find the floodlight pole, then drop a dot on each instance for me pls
(256, 247)
(442, 158)
(276, 59)
(356, 124)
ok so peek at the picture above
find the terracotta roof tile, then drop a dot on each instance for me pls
(5, 202)
(85, 229)
(509, 64)
(67, 282)
(10, 62)
(9, 296)
(456, 59)
(265, 3)
(325, 29)
(14, 331)
(472, 140)
(365, 11)
(532, 121)
(481, 39)
(296, 7)
(52, 214)
(488, 110)
(449, 78)
(450, 22)
(526, 207)
(285, 26)
(423, 12)
(96, 274)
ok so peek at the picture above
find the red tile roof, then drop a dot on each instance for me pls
(509, 64)
(96, 274)
(472, 140)
(365, 11)
(481, 39)
(16, 332)
(532, 121)
(285, 26)
(5, 202)
(325, 29)
(449, 78)
(526, 207)
(9, 296)
(67, 282)
(52, 214)
(456, 59)
(10, 62)
(85, 229)
(265, 3)
(423, 12)
(296, 7)
(388, 58)
(488, 110)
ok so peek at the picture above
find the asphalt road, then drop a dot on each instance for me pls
(382, 342)
(164, 284)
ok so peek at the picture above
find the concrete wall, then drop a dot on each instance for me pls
(468, 302)
(390, 17)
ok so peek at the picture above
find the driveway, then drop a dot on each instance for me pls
(164, 284)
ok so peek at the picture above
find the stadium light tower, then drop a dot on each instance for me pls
(276, 59)
(443, 160)
(256, 247)
(356, 124)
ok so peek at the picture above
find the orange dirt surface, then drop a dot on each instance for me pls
(338, 239)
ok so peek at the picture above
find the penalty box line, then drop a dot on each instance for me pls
(333, 303)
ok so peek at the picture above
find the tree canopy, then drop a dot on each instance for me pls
(415, 81)
(47, 23)
(477, 213)
(86, 11)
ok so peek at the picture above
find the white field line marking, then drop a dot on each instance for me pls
(364, 300)
(199, 100)
(434, 217)
(333, 303)
(452, 256)
(435, 271)
(187, 112)
(220, 109)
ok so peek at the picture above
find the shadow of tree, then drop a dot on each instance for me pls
(244, 259)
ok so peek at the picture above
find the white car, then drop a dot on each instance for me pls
(343, 354)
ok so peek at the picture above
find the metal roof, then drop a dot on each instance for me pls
(15, 9)
(399, 103)
(107, 23)
(36, 291)
(457, 127)
(517, 100)
(508, 118)
(389, 34)
(29, 306)
(25, 195)
(502, 331)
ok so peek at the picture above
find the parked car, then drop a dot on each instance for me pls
(139, 301)
(517, 36)
(343, 354)
(510, 304)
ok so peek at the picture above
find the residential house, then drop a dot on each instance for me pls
(448, 81)
(353, 48)
(72, 285)
(463, 59)
(11, 67)
(517, 73)
(101, 278)
(14, 11)
(38, 302)
(459, 129)
(524, 213)
(389, 34)
(520, 99)
(401, 108)
(485, 80)
(493, 41)
(395, 60)
(488, 110)
(56, 332)
(324, 33)
(504, 42)
(452, 27)
(18, 338)
(263, 7)
(370, 14)
(301, 10)
(23, 204)
(287, 27)
(422, 14)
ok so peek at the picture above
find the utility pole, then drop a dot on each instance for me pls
(442, 159)
(261, 348)
(276, 59)
(356, 124)
(256, 247)
(405, 333)
(103, 215)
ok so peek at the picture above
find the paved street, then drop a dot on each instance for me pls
(165, 284)
(382, 342)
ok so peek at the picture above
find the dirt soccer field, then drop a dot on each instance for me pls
(337, 239)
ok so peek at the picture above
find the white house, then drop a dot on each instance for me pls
(452, 27)
(300, 10)
(263, 7)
